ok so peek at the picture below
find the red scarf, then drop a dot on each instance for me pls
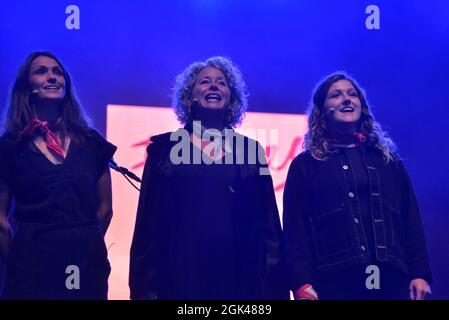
(49, 136)
(360, 136)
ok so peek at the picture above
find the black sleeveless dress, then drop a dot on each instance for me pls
(58, 250)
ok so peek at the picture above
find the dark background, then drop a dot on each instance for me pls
(129, 52)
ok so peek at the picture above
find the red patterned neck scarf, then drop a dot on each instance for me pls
(49, 136)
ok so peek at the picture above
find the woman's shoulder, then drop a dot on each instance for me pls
(163, 137)
(164, 140)
(303, 156)
(94, 141)
(393, 158)
(93, 138)
(159, 145)
(303, 163)
(7, 140)
(93, 134)
(7, 148)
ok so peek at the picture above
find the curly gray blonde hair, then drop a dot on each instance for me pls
(182, 91)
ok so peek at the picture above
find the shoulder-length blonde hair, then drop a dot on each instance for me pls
(315, 139)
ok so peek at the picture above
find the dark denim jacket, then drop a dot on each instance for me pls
(323, 226)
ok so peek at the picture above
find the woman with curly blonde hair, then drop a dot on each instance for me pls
(352, 224)
(208, 229)
(318, 138)
(183, 100)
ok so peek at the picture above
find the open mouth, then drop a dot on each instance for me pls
(347, 109)
(52, 87)
(213, 97)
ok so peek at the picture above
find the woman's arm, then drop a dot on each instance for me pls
(144, 270)
(417, 254)
(296, 236)
(275, 286)
(104, 200)
(5, 237)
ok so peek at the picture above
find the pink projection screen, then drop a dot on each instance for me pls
(130, 127)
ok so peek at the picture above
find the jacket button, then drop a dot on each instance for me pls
(363, 248)
(356, 220)
(345, 167)
(351, 195)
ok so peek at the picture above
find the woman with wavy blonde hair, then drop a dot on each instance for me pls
(207, 230)
(352, 224)
(183, 99)
(317, 138)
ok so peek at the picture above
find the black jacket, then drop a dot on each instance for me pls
(322, 219)
(256, 229)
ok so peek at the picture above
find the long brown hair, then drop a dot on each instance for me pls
(20, 110)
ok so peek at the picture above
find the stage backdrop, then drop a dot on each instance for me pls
(130, 128)
(129, 53)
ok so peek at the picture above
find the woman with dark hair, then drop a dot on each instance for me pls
(55, 181)
(206, 228)
(351, 221)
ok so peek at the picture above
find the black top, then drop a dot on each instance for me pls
(204, 265)
(46, 193)
(206, 231)
(55, 207)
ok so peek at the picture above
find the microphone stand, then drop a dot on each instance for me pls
(125, 172)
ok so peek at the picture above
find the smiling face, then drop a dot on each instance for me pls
(47, 78)
(343, 104)
(211, 89)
